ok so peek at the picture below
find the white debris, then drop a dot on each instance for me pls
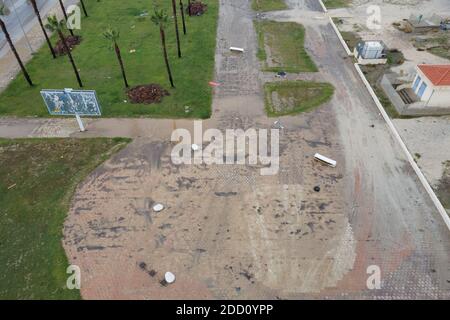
(169, 277)
(278, 125)
(237, 49)
(195, 147)
(158, 207)
(325, 160)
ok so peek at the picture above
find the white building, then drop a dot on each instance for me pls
(432, 85)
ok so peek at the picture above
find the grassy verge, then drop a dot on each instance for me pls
(333, 4)
(292, 97)
(436, 43)
(37, 180)
(100, 71)
(268, 5)
(285, 41)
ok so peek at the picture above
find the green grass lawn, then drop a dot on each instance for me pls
(333, 4)
(268, 5)
(100, 71)
(292, 97)
(37, 180)
(285, 41)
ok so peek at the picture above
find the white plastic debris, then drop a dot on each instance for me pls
(158, 207)
(278, 125)
(195, 147)
(325, 160)
(237, 49)
(169, 277)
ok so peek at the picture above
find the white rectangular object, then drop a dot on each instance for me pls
(237, 49)
(325, 160)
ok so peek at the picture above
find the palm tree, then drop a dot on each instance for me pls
(58, 26)
(65, 15)
(182, 16)
(13, 48)
(113, 36)
(38, 15)
(84, 8)
(160, 19)
(175, 19)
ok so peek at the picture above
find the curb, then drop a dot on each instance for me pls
(323, 6)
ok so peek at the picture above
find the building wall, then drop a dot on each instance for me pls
(440, 97)
(434, 96)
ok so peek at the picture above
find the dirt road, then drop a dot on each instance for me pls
(228, 232)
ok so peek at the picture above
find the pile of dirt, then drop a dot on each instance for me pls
(72, 42)
(196, 8)
(147, 94)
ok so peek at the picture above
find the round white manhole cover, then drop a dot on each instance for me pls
(158, 208)
(169, 277)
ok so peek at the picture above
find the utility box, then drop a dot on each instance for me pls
(371, 52)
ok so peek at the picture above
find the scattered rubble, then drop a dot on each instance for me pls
(147, 94)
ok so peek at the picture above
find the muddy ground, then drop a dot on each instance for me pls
(228, 232)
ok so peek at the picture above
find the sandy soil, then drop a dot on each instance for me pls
(428, 137)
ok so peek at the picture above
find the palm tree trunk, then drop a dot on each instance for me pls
(13, 49)
(65, 15)
(189, 8)
(38, 15)
(122, 68)
(66, 47)
(182, 16)
(84, 9)
(174, 7)
(166, 59)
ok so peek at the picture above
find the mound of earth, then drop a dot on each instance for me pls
(72, 42)
(147, 94)
(196, 8)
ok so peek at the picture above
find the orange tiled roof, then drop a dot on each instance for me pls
(439, 74)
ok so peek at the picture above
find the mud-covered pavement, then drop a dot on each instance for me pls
(228, 232)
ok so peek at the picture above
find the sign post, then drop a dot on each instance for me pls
(69, 102)
(80, 123)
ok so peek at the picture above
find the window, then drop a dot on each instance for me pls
(416, 83)
(422, 89)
